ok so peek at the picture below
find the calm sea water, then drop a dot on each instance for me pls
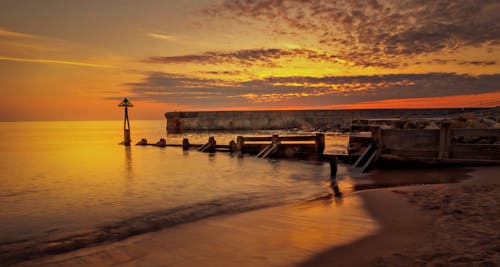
(58, 178)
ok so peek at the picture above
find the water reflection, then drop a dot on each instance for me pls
(128, 161)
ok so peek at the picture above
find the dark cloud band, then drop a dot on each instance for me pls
(307, 91)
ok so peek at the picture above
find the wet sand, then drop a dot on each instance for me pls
(425, 225)
(429, 225)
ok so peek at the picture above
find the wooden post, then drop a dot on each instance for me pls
(143, 142)
(126, 129)
(333, 177)
(232, 146)
(444, 140)
(185, 144)
(126, 137)
(320, 143)
(377, 136)
(275, 139)
(333, 167)
(162, 143)
(211, 140)
(240, 142)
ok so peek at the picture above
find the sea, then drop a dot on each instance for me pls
(65, 179)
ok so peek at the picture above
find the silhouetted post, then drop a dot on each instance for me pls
(275, 139)
(143, 142)
(377, 136)
(185, 144)
(240, 142)
(333, 167)
(126, 124)
(162, 143)
(232, 146)
(211, 144)
(333, 177)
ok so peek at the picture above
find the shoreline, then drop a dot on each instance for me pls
(316, 233)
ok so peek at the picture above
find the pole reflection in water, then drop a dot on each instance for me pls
(128, 161)
(333, 177)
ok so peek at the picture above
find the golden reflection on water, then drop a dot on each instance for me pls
(63, 176)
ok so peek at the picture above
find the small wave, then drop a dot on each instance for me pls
(21, 250)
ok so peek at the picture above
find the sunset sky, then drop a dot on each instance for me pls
(76, 60)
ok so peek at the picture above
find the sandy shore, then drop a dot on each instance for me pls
(426, 225)
(454, 225)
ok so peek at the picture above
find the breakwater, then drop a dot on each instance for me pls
(291, 119)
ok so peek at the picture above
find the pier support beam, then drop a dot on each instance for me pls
(185, 144)
(232, 146)
(320, 143)
(444, 140)
(240, 142)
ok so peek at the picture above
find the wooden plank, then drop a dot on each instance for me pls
(281, 138)
(475, 132)
(410, 132)
(475, 151)
(252, 148)
(412, 153)
(302, 148)
(257, 138)
(298, 138)
(410, 140)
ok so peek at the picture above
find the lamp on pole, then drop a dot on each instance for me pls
(126, 124)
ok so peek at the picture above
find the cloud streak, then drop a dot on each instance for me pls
(12, 34)
(161, 36)
(53, 61)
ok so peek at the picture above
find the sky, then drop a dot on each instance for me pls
(76, 60)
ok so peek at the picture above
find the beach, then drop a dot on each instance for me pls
(452, 224)
(429, 225)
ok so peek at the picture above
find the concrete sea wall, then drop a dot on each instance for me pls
(289, 119)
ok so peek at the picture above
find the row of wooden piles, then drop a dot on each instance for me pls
(261, 146)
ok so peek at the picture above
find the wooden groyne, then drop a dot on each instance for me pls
(442, 146)
(261, 146)
(281, 146)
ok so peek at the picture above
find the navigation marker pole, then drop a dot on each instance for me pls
(126, 124)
